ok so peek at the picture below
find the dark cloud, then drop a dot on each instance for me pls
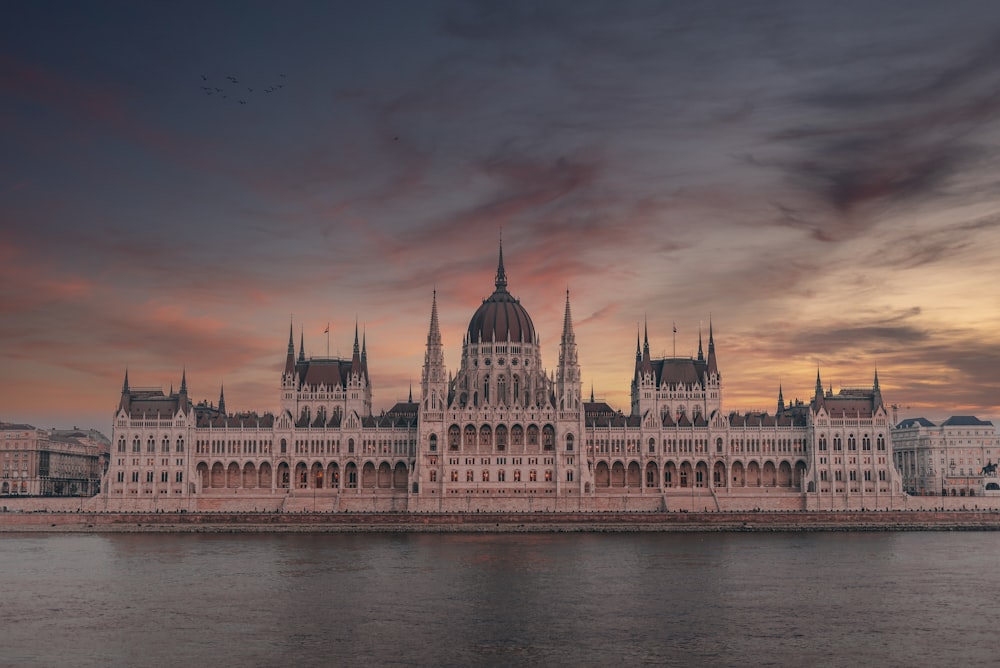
(899, 139)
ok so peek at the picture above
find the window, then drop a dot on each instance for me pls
(179, 477)
(454, 476)
(163, 476)
(121, 476)
(569, 476)
(434, 476)
(517, 475)
(468, 476)
(434, 443)
(533, 476)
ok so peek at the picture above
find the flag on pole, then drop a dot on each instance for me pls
(675, 328)
(327, 330)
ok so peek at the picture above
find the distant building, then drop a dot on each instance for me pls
(955, 458)
(40, 462)
(501, 433)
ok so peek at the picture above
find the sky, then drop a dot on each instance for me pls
(181, 180)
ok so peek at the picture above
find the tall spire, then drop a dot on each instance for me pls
(781, 400)
(184, 381)
(701, 355)
(501, 282)
(291, 343)
(434, 334)
(222, 400)
(290, 357)
(645, 339)
(125, 384)
(302, 345)
(568, 336)
(591, 393)
(713, 364)
(356, 367)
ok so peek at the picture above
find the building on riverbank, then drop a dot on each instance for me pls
(957, 457)
(501, 433)
(51, 462)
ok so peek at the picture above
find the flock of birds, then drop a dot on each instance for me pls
(234, 89)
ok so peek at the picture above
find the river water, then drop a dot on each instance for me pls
(783, 599)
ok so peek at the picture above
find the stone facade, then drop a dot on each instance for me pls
(955, 458)
(40, 462)
(501, 433)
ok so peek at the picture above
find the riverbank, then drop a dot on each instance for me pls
(200, 522)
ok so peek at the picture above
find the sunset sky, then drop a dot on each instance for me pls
(820, 179)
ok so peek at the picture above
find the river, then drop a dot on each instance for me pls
(713, 599)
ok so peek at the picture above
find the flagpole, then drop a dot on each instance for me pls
(328, 340)
(675, 340)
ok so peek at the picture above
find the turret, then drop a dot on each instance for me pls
(568, 376)
(433, 379)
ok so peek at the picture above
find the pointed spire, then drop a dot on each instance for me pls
(645, 339)
(356, 367)
(568, 336)
(819, 384)
(184, 381)
(291, 343)
(701, 355)
(876, 388)
(125, 384)
(409, 398)
(302, 344)
(591, 393)
(781, 400)
(713, 364)
(222, 400)
(638, 345)
(364, 352)
(434, 334)
(501, 281)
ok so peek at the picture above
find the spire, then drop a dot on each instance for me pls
(501, 282)
(781, 400)
(184, 381)
(125, 384)
(591, 393)
(645, 340)
(638, 347)
(701, 355)
(568, 336)
(713, 364)
(876, 388)
(356, 367)
(434, 334)
(302, 345)
(291, 343)
(222, 400)
(290, 358)
(409, 398)
(364, 353)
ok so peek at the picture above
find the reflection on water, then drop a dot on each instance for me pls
(538, 599)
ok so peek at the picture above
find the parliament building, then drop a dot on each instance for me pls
(500, 433)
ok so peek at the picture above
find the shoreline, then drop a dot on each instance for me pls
(540, 522)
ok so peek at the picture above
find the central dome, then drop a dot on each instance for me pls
(501, 317)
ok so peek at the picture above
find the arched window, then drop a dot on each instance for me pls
(121, 444)
(284, 446)
(434, 476)
(180, 444)
(165, 445)
(151, 445)
(454, 437)
(433, 442)
(652, 446)
(852, 443)
(569, 442)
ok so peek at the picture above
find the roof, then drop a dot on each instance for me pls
(676, 370)
(965, 421)
(909, 423)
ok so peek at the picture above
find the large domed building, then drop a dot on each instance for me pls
(500, 433)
